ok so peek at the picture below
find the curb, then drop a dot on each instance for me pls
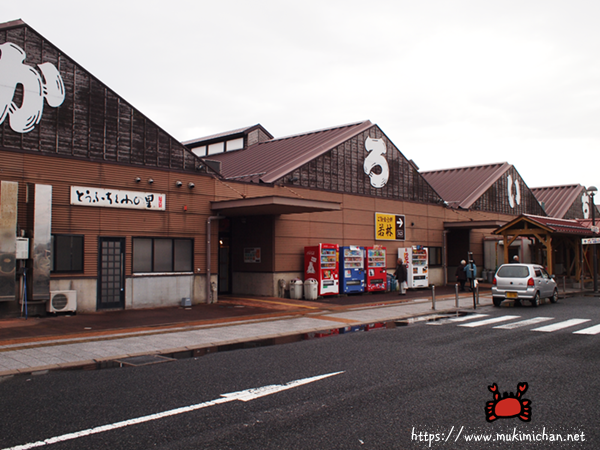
(119, 361)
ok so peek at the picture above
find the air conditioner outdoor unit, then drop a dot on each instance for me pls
(62, 301)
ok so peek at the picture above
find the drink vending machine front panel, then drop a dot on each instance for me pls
(321, 262)
(416, 258)
(375, 268)
(352, 269)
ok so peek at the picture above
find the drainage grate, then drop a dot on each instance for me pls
(143, 360)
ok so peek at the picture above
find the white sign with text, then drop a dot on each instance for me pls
(114, 198)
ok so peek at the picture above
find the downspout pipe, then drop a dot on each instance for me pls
(208, 252)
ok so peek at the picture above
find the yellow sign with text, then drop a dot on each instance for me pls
(389, 227)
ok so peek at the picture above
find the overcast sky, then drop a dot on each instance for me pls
(451, 83)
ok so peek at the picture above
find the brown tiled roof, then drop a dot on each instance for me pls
(570, 226)
(271, 160)
(554, 224)
(462, 186)
(588, 223)
(558, 199)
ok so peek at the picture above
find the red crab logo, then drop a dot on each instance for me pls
(510, 405)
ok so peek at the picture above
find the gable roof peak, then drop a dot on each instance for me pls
(462, 186)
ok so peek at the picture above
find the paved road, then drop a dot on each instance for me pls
(392, 388)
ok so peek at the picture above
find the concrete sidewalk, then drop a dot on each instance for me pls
(289, 321)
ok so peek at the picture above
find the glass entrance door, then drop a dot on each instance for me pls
(111, 273)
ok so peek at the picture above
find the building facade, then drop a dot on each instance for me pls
(102, 209)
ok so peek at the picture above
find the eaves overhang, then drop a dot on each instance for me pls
(551, 225)
(271, 206)
(472, 224)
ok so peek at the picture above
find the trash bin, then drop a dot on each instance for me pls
(311, 291)
(392, 283)
(296, 289)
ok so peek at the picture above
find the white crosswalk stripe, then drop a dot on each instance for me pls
(488, 321)
(591, 330)
(457, 319)
(465, 318)
(523, 323)
(561, 325)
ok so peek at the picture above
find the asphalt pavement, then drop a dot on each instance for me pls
(110, 339)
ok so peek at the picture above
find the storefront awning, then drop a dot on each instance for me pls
(271, 206)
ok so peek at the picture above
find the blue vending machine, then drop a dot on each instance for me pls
(352, 270)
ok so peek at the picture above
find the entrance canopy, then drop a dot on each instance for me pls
(271, 206)
(560, 238)
(472, 224)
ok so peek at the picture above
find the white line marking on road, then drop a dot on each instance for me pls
(446, 320)
(561, 325)
(591, 330)
(524, 323)
(489, 321)
(247, 395)
(468, 317)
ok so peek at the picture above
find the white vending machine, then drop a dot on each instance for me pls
(416, 258)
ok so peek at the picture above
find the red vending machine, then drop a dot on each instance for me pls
(321, 262)
(375, 270)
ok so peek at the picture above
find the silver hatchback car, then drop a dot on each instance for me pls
(523, 282)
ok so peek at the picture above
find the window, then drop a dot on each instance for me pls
(513, 271)
(67, 255)
(435, 256)
(162, 255)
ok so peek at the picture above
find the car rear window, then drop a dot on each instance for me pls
(513, 272)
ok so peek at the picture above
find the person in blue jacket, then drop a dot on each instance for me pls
(471, 271)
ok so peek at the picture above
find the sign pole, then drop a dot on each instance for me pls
(591, 192)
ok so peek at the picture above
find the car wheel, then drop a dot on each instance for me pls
(554, 297)
(497, 301)
(535, 301)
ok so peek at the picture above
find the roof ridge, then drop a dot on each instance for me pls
(557, 186)
(306, 133)
(222, 134)
(549, 217)
(465, 167)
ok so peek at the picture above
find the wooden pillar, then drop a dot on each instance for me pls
(578, 262)
(549, 254)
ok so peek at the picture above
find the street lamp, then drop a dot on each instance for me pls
(591, 192)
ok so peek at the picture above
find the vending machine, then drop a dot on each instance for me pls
(321, 264)
(352, 270)
(416, 258)
(375, 269)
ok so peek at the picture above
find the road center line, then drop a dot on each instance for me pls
(247, 395)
